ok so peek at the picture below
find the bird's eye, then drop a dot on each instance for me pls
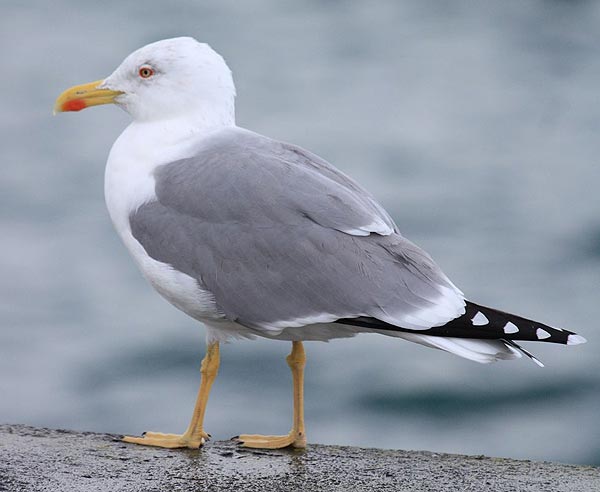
(146, 72)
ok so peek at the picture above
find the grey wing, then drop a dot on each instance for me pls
(282, 239)
(301, 157)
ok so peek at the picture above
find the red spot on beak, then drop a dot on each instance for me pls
(74, 105)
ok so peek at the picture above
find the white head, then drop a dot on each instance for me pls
(172, 78)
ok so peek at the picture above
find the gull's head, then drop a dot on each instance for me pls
(172, 78)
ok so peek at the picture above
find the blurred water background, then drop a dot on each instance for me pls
(475, 123)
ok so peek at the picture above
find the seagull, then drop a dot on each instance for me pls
(256, 237)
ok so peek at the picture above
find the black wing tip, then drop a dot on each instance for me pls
(481, 322)
(514, 327)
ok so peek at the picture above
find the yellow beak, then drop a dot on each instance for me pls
(83, 96)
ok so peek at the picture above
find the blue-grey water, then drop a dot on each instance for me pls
(475, 123)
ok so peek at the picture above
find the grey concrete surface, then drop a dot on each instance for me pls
(33, 459)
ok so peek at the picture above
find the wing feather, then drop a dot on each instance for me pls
(280, 236)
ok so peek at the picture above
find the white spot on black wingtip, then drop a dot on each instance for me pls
(542, 334)
(479, 319)
(510, 327)
(574, 339)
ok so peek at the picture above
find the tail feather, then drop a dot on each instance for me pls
(482, 351)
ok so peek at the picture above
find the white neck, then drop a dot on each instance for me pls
(154, 142)
(212, 108)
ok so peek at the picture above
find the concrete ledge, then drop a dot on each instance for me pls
(33, 459)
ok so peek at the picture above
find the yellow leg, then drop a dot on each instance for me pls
(297, 436)
(194, 436)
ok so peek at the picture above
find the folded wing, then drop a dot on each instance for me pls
(282, 239)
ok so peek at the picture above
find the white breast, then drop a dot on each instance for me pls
(129, 183)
